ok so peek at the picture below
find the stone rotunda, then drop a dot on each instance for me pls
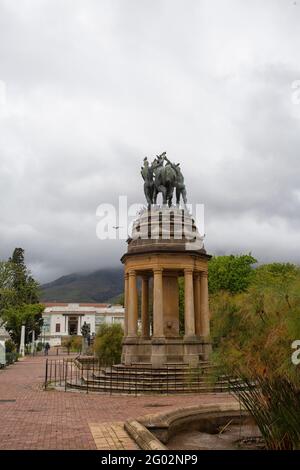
(165, 245)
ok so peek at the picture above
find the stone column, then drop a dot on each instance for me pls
(158, 321)
(22, 341)
(205, 329)
(33, 342)
(189, 316)
(126, 305)
(197, 305)
(132, 303)
(144, 307)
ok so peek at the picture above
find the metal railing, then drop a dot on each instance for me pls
(94, 375)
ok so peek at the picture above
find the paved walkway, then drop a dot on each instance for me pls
(31, 418)
(112, 436)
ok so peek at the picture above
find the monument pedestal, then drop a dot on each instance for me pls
(160, 352)
(161, 252)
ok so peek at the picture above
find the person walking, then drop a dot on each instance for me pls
(47, 347)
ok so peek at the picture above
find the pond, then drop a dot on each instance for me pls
(231, 435)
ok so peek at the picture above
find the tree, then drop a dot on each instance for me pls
(108, 343)
(253, 332)
(230, 273)
(19, 298)
(29, 315)
(7, 293)
(24, 286)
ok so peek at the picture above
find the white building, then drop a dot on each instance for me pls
(65, 319)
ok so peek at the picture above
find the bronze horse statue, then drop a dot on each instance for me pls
(147, 174)
(166, 179)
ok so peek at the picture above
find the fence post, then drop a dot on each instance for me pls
(167, 379)
(87, 379)
(46, 374)
(110, 379)
(66, 375)
(50, 369)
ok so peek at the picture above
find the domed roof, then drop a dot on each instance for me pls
(163, 229)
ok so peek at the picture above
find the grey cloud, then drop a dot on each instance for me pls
(94, 86)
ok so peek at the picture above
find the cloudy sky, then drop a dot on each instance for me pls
(89, 87)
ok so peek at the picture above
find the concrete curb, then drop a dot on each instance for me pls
(164, 423)
(144, 438)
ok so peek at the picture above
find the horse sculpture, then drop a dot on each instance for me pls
(147, 174)
(166, 179)
(164, 182)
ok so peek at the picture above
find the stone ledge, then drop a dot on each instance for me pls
(144, 438)
(163, 424)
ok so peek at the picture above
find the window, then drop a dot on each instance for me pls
(99, 320)
(57, 328)
(46, 324)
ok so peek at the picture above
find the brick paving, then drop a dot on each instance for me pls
(31, 418)
(112, 436)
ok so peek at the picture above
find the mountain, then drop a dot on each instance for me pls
(99, 286)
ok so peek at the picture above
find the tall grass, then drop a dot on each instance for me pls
(275, 406)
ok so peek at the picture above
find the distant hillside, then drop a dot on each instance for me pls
(99, 286)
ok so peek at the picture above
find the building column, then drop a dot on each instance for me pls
(144, 307)
(132, 303)
(78, 326)
(205, 328)
(189, 316)
(158, 320)
(197, 305)
(126, 305)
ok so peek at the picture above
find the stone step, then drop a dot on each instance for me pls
(135, 388)
(145, 383)
(167, 367)
(144, 376)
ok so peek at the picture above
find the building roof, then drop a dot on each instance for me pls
(78, 304)
(88, 308)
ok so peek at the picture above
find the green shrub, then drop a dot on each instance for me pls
(10, 346)
(108, 343)
(253, 332)
(72, 343)
(76, 343)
